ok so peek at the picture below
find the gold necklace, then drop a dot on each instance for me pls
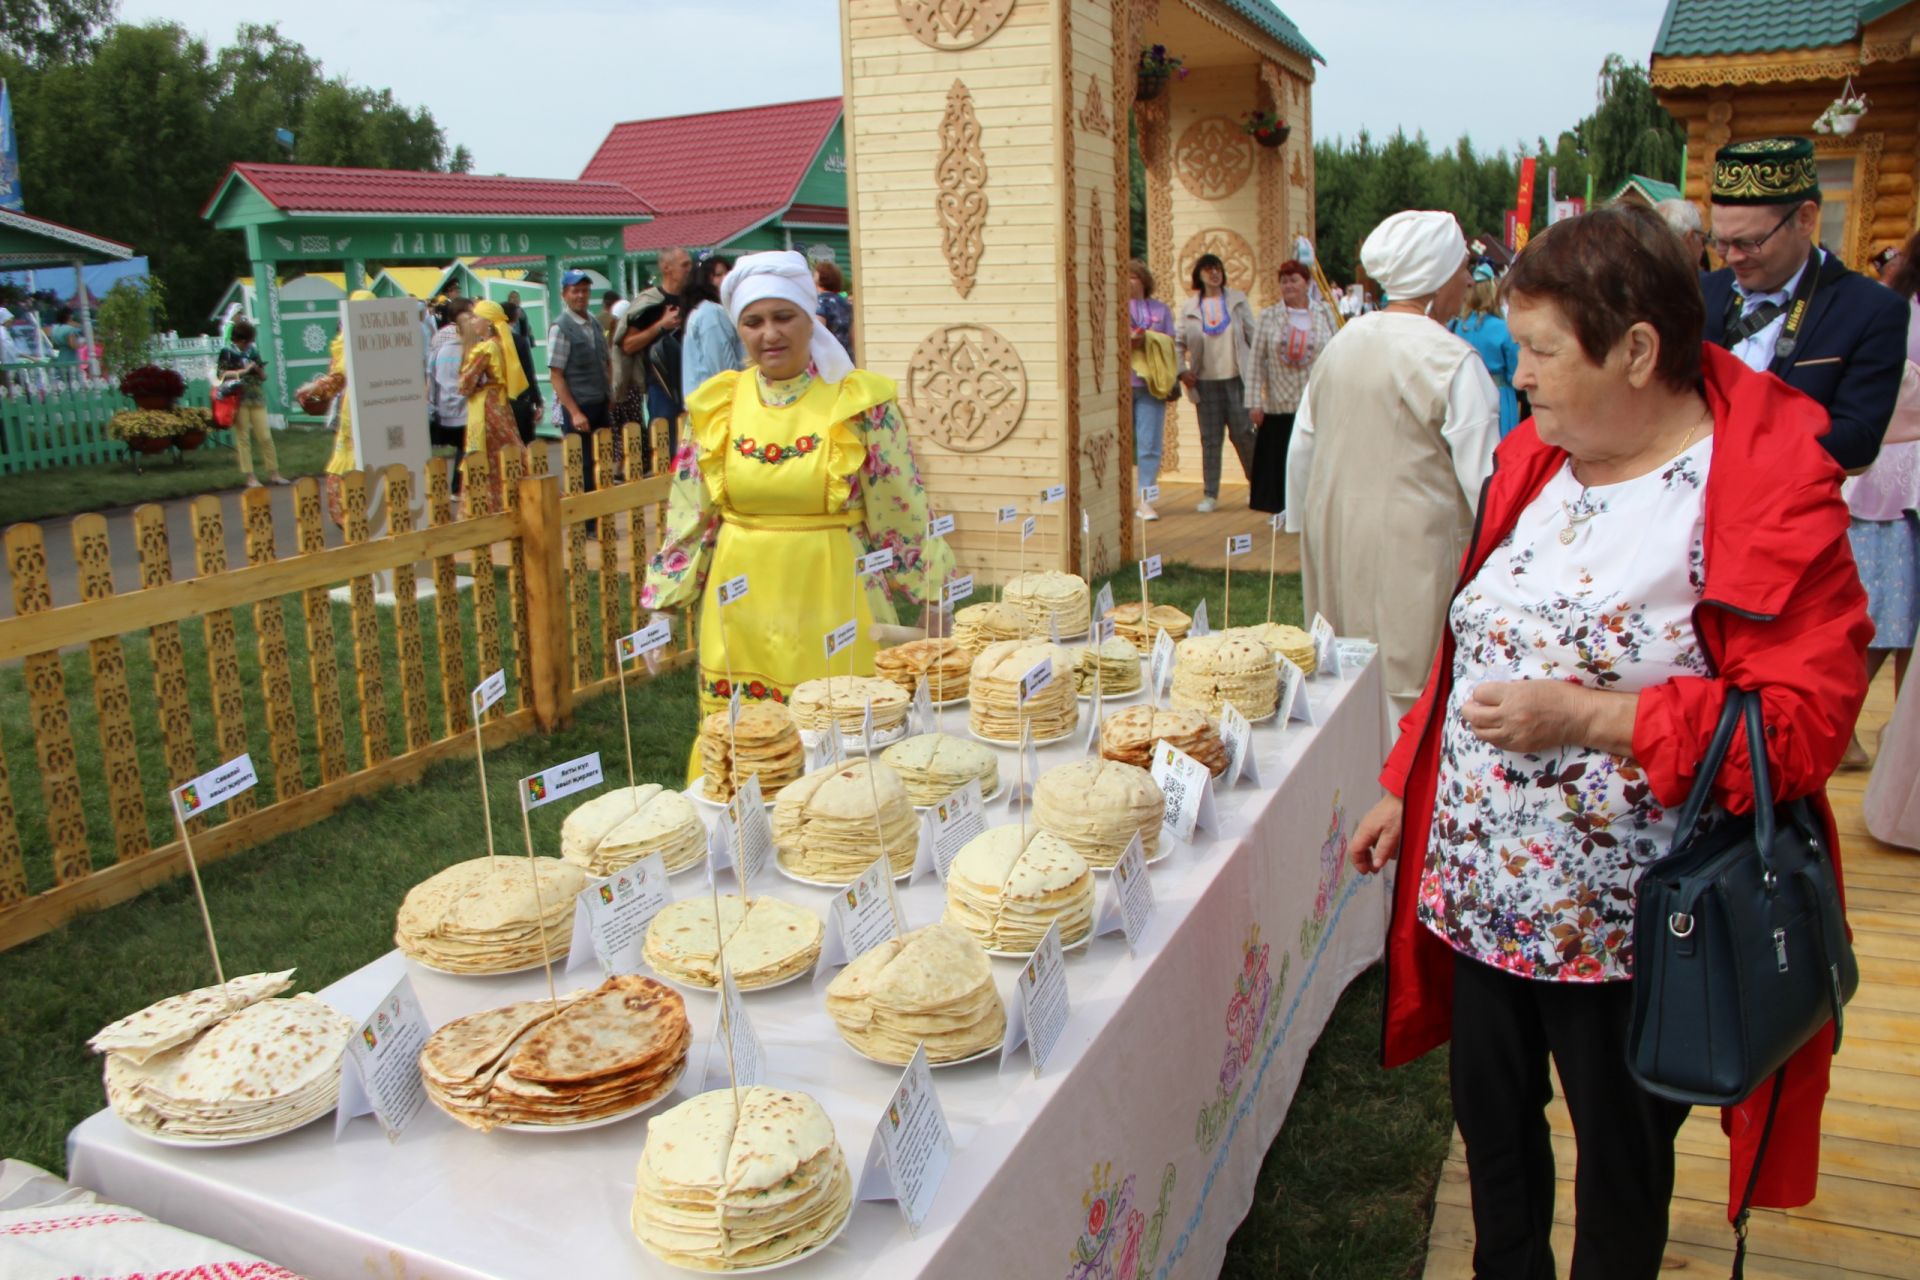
(1580, 514)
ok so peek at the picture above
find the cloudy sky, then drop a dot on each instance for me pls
(531, 88)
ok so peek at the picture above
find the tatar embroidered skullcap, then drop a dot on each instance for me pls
(1414, 252)
(785, 274)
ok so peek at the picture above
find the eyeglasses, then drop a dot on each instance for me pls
(1722, 247)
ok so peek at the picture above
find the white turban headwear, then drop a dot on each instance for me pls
(1414, 252)
(785, 274)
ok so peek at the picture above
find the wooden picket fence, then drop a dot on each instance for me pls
(552, 643)
(55, 417)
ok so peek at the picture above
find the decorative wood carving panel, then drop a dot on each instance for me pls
(1070, 275)
(1214, 158)
(1273, 194)
(954, 24)
(960, 175)
(1225, 243)
(966, 387)
(1093, 116)
(1097, 270)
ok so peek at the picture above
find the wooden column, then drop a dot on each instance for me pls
(548, 640)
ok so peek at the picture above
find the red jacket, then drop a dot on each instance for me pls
(1782, 612)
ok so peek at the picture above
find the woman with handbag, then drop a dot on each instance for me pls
(1663, 533)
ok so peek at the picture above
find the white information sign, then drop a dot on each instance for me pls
(1239, 544)
(877, 561)
(1150, 568)
(842, 636)
(1038, 677)
(1006, 515)
(380, 1073)
(654, 636)
(1149, 494)
(1236, 734)
(1027, 527)
(911, 1148)
(1200, 626)
(1160, 664)
(1294, 704)
(1188, 787)
(1053, 493)
(1039, 1015)
(924, 720)
(386, 369)
(561, 780)
(215, 786)
(863, 917)
(958, 588)
(1103, 601)
(752, 834)
(1128, 903)
(488, 692)
(1326, 649)
(940, 527)
(610, 917)
(732, 1028)
(732, 589)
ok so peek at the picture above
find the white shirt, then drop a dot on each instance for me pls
(1756, 352)
(1471, 430)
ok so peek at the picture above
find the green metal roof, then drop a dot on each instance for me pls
(1652, 188)
(1266, 15)
(1696, 28)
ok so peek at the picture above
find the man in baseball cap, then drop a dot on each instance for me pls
(578, 366)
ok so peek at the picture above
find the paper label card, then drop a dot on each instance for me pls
(863, 915)
(1354, 654)
(1236, 734)
(733, 1029)
(1006, 515)
(1277, 521)
(1053, 493)
(911, 1148)
(654, 636)
(940, 527)
(830, 749)
(732, 589)
(1160, 663)
(1200, 627)
(1150, 568)
(719, 850)
(560, 781)
(1188, 787)
(1038, 677)
(1294, 704)
(1086, 521)
(948, 826)
(488, 692)
(1019, 788)
(1128, 903)
(381, 1073)
(1027, 527)
(215, 786)
(610, 917)
(1239, 544)
(842, 637)
(1326, 651)
(752, 834)
(1039, 1015)
(1149, 493)
(1103, 600)
(924, 720)
(876, 561)
(1103, 629)
(1095, 713)
(958, 588)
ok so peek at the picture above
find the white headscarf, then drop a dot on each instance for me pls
(784, 274)
(1414, 252)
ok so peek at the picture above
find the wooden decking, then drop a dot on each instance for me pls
(1866, 1219)
(1184, 535)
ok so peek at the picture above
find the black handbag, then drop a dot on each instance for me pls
(1740, 951)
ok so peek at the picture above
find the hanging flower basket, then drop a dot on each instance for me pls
(1842, 115)
(1156, 67)
(1148, 87)
(1265, 128)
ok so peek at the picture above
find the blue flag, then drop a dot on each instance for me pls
(10, 197)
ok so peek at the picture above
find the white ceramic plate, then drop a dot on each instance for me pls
(998, 786)
(186, 1143)
(1015, 742)
(1165, 852)
(1028, 955)
(770, 1266)
(697, 794)
(694, 987)
(797, 878)
(937, 1066)
(1107, 695)
(603, 1121)
(559, 961)
(853, 746)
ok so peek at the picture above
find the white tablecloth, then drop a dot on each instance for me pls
(1135, 1155)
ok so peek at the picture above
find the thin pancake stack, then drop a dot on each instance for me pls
(944, 662)
(994, 711)
(1287, 642)
(979, 625)
(1057, 602)
(826, 827)
(484, 916)
(1210, 672)
(613, 831)
(768, 941)
(764, 742)
(931, 986)
(842, 701)
(1127, 624)
(1128, 736)
(602, 1053)
(1007, 895)
(1118, 663)
(932, 766)
(1097, 806)
(718, 1190)
(225, 1064)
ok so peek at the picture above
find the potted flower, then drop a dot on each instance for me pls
(1157, 66)
(152, 387)
(157, 430)
(1265, 128)
(1842, 115)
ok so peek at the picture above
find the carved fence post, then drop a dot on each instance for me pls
(549, 642)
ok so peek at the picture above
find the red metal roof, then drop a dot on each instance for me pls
(751, 158)
(300, 188)
(696, 227)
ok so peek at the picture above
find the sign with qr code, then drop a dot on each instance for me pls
(387, 385)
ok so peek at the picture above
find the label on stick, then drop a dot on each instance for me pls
(653, 636)
(1006, 515)
(488, 692)
(842, 637)
(215, 786)
(940, 526)
(1053, 493)
(1038, 677)
(1149, 493)
(1103, 600)
(561, 780)
(876, 561)
(1027, 527)
(732, 589)
(1150, 568)
(958, 589)
(1239, 544)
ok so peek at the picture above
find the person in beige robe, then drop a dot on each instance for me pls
(1391, 445)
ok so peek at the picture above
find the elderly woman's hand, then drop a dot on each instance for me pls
(1529, 716)
(1377, 838)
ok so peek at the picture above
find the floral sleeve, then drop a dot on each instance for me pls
(898, 511)
(677, 574)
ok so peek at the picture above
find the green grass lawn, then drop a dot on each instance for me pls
(61, 491)
(1346, 1191)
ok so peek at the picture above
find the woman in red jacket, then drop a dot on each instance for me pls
(1665, 527)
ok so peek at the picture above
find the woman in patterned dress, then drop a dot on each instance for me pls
(491, 378)
(1665, 528)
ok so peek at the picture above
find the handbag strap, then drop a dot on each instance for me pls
(1753, 1178)
(1763, 816)
(1709, 769)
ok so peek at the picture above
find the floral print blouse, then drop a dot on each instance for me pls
(1534, 858)
(888, 487)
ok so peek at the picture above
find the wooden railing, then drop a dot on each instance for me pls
(102, 833)
(54, 416)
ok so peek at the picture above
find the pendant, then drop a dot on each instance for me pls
(1567, 535)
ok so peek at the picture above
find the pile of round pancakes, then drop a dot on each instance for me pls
(725, 1190)
(768, 941)
(765, 741)
(600, 1053)
(1288, 642)
(830, 825)
(485, 915)
(1210, 672)
(1127, 624)
(944, 662)
(614, 830)
(1057, 602)
(842, 701)
(1006, 894)
(933, 986)
(994, 711)
(979, 625)
(1128, 736)
(1118, 663)
(932, 766)
(1097, 806)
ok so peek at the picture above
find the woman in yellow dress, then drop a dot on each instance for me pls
(792, 468)
(340, 461)
(491, 379)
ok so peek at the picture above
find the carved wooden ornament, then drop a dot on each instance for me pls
(1093, 116)
(960, 175)
(1098, 269)
(965, 387)
(1226, 244)
(953, 24)
(1214, 158)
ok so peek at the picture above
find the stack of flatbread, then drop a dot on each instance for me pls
(1128, 736)
(994, 709)
(842, 701)
(1211, 671)
(768, 941)
(825, 828)
(979, 625)
(765, 742)
(932, 766)
(931, 986)
(225, 1064)
(605, 1052)
(1057, 602)
(1118, 663)
(945, 663)
(720, 1191)
(1097, 805)
(613, 831)
(1006, 894)
(483, 916)
(1285, 641)
(1127, 624)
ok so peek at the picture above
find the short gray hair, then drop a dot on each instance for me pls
(1680, 215)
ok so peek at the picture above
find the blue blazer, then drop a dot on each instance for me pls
(1851, 354)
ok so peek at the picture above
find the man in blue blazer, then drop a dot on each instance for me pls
(1785, 305)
